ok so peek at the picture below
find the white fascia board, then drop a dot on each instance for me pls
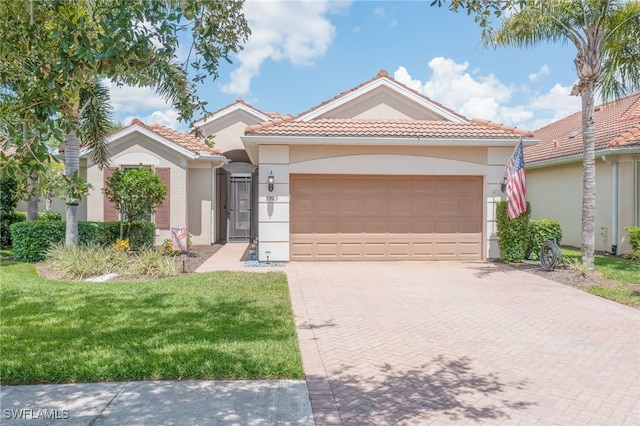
(220, 160)
(386, 141)
(578, 157)
(131, 130)
(235, 107)
(374, 85)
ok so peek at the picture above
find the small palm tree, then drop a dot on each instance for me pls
(94, 117)
(606, 34)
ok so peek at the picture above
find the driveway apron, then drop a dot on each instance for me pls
(395, 343)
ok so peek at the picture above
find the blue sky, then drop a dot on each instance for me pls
(302, 53)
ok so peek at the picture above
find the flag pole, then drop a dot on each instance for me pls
(499, 184)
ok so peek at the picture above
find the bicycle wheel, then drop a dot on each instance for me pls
(548, 255)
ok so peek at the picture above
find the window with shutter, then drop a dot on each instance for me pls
(163, 214)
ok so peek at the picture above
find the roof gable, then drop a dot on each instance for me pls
(381, 98)
(617, 125)
(238, 108)
(185, 144)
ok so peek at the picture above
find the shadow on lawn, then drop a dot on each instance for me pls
(142, 337)
(444, 389)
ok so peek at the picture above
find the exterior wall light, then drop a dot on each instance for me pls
(270, 181)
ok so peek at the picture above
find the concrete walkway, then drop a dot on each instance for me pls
(268, 402)
(230, 257)
(441, 343)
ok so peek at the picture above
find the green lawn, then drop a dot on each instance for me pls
(624, 271)
(614, 268)
(226, 325)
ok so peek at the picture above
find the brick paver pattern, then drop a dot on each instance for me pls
(440, 343)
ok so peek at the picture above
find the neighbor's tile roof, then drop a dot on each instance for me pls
(617, 125)
(185, 140)
(400, 128)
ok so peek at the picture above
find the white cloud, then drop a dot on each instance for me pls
(393, 23)
(298, 32)
(544, 71)
(379, 11)
(168, 117)
(484, 96)
(128, 99)
(143, 103)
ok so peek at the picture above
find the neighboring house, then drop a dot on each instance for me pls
(376, 172)
(554, 174)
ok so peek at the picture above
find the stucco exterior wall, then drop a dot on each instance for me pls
(284, 160)
(141, 151)
(200, 210)
(228, 130)
(556, 193)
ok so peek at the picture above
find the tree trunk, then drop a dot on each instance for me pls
(588, 176)
(32, 203)
(72, 165)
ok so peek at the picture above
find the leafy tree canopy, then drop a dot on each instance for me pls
(52, 48)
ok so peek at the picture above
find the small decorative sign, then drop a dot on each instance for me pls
(179, 239)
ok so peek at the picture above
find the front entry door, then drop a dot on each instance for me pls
(239, 211)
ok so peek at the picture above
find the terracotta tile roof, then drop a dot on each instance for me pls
(381, 74)
(350, 127)
(185, 140)
(617, 125)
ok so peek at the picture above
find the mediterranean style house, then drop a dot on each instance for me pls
(377, 172)
(554, 174)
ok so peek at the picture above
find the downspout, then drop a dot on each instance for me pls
(614, 204)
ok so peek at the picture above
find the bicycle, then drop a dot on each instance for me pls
(550, 255)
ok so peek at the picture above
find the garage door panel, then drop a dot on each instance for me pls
(397, 217)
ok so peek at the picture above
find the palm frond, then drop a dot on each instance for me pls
(96, 116)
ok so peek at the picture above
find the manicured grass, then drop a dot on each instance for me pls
(226, 325)
(613, 268)
(624, 271)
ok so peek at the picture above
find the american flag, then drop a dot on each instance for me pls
(516, 184)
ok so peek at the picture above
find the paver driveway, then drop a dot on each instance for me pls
(461, 343)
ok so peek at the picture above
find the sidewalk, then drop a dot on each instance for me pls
(242, 402)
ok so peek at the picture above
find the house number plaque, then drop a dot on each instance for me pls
(271, 198)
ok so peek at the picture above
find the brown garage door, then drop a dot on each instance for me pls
(358, 217)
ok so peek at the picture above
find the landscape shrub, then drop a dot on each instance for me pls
(8, 218)
(49, 216)
(141, 234)
(541, 230)
(634, 240)
(512, 233)
(32, 239)
(634, 233)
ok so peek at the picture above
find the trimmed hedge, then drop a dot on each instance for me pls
(32, 239)
(541, 230)
(512, 233)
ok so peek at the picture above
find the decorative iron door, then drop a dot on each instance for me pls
(239, 208)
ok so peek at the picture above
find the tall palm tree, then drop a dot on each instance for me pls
(606, 34)
(93, 124)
